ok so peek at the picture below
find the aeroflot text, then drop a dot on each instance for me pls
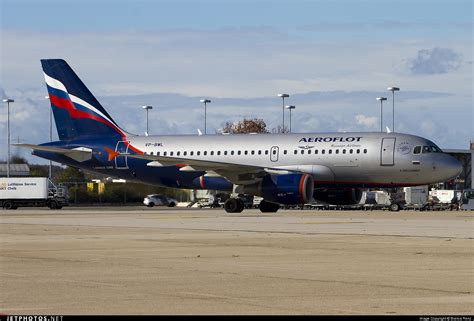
(329, 139)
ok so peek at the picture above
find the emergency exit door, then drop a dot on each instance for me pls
(274, 154)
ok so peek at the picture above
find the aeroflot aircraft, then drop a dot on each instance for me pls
(283, 169)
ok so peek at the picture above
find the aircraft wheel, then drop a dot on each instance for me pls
(268, 207)
(151, 204)
(234, 205)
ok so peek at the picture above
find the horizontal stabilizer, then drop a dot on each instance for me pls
(79, 154)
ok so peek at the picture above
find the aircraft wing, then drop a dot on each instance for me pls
(236, 173)
(80, 154)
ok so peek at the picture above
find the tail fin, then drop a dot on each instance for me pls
(77, 112)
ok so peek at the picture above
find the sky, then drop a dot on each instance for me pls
(333, 58)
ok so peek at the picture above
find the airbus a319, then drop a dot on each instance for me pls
(282, 168)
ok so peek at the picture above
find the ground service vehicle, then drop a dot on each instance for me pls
(31, 191)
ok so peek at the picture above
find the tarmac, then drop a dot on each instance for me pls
(137, 260)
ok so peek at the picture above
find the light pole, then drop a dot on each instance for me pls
(283, 96)
(147, 108)
(8, 101)
(205, 101)
(50, 135)
(393, 90)
(290, 107)
(381, 115)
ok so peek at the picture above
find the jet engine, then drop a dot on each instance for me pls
(283, 189)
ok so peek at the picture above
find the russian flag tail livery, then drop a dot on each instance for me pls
(77, 112)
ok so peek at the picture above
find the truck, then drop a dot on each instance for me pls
(31, 191)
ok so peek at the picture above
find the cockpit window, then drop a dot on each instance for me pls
(431, 149)
(417, 150)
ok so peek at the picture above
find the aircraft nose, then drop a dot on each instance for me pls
(452, 167)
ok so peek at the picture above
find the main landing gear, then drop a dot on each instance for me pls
(236, 205)
(268, 207)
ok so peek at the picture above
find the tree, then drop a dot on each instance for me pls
(72, 175)
(245, 126)
(16, 159)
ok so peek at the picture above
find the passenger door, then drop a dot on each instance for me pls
(387, 152)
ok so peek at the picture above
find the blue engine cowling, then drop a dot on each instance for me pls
(287, 189)
(213, 182)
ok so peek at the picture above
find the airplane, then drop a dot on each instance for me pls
(284, 169)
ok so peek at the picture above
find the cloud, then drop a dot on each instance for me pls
(367, 121)
(333, 84)
(435, 61)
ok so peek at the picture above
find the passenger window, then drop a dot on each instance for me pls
(246, 152)
(238, 152)
(260, 152)
(316, 151)
(302, 151)
(330, 151)
(198, 152)
(212, 153)
(164, 153)
(296, 152)
(274, 152)
(218, 153)
(225, 153)
(191, 153)
(151, 153)
(309, 151)
(266, 152)
(323, 151)
(365, 151)
(358, 151)
(157, 153)
(350, 151)
(232, 152)
(253, 152)
(205, 153)
(343, 151)
(171, 153)
(337, 151)
(185, 153)
(284, 152)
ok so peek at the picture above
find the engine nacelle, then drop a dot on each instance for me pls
(283, 189)
(340, 196)
(213, 182)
